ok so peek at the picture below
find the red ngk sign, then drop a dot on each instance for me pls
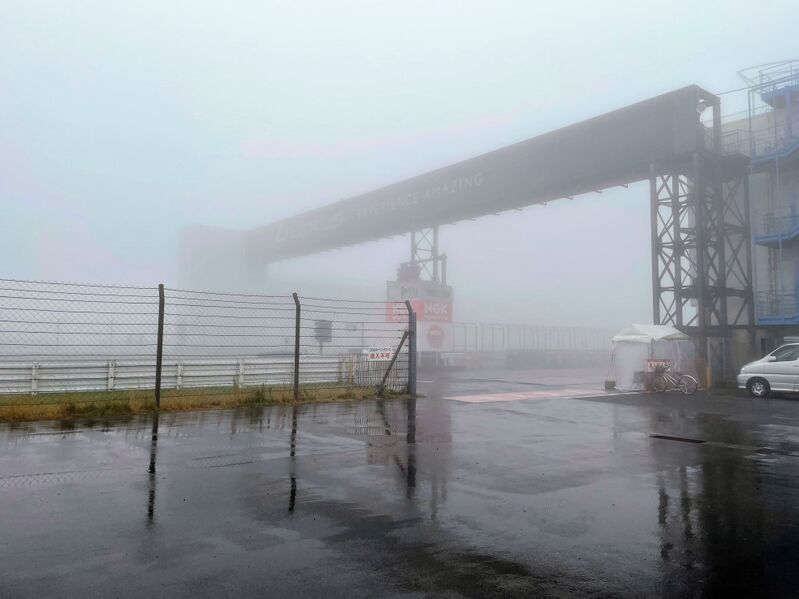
(425, 310)
(440, 311)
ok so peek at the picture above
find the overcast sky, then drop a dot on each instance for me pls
(123, 122)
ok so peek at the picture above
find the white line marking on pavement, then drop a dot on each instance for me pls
(564, 393)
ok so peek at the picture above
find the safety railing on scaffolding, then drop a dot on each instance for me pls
(772, 121)
(767, 128)
(781, 225)
(777, 307)
(771, 77)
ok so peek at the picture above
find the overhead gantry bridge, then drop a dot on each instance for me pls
(699, 203)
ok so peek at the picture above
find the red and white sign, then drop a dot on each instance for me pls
(654, 365)
(396, 312)
(379, 354)
(435, 336)
(434, 311)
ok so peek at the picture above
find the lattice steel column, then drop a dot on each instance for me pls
(701, 247)
(425, 257)
(673, 249)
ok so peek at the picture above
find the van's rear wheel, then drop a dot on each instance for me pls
(759, 388)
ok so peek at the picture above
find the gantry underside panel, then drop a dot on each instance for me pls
(613, 149)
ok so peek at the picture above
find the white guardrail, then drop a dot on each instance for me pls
(53, 376)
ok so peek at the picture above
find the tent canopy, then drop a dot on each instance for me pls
(649, 333)
(636, 345)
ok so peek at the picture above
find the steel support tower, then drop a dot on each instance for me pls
(701, 250)
(425, 257)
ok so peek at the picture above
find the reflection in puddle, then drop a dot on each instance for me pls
(152, 470)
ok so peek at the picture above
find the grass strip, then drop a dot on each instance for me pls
(98, 404)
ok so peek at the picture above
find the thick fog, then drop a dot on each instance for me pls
(123, 123)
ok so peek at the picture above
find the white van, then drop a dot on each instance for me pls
(778, 371)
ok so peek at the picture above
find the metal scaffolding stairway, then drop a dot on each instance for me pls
(774, 149)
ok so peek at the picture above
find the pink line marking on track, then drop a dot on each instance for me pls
(563, 393)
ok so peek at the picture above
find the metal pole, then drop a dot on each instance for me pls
(292, 455)
(654, 205)
(719, 224)
(749, 97)
(701, 281)
(435, 256)
(411, 433)
(679, 257)
(151, 470)
(717, 145)
(750, 283)
(159, 354)
(296, 347)
(411, 349)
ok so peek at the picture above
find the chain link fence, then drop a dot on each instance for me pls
(68, 340)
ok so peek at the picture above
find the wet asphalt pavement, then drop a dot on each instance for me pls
(547, 496)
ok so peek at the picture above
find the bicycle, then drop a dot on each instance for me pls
(664, 380)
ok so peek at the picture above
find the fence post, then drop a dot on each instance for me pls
(159, 354)
(411, 349)
(111, 374)
(296, 347)
(35, 378)
(240, 374)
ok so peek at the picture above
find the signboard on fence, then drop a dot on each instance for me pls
(434, 336)
(426, 310)
(653, 365)
(323, 331)
(396, 312)
(379, 354)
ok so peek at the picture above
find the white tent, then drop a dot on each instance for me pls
(637, 344)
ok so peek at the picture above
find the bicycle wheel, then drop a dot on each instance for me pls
(659, 383)
(687, 384)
